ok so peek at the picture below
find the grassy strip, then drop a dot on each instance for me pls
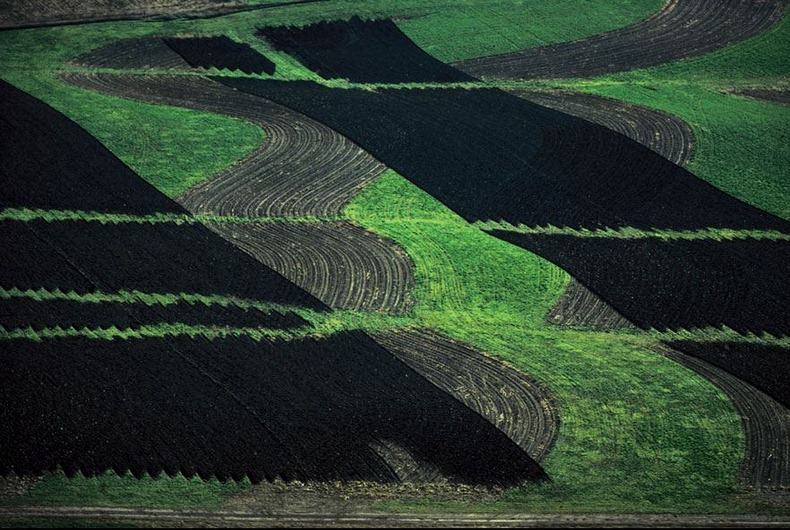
(474, 29)
(721, 334)
(322, 324)
(36, 214)
(112, 490)
(712, 234)
(153, 331)
(638, 432)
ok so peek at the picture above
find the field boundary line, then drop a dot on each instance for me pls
(51, 216)
(383, 519)
(319, 324)
(628, 232)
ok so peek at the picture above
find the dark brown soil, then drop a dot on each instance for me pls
(684, 28)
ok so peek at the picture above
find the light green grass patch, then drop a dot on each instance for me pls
(638, 431)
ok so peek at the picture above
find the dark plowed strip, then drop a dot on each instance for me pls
(301, 410)
(302, 167)
(684, 28)
(582, 308)
(341, 264)
(306, 410)
(663, 133)
(777, 96)
(37, 146)
(361, 51)
(489, 155)
(766, 424)
(743, 284)
(764, 366)
(519, 406)
(85, 257)
(222, 53)
(147, 52)
(21, 313)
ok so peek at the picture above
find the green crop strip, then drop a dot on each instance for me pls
(35, 214)
(322, 323)
(153, 331)
(710, 234)
(178, 329)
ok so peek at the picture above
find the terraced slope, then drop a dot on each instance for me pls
(216, 401)
(527, 164)
(684, 28)
(302, 169)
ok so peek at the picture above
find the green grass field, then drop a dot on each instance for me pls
(639, 432)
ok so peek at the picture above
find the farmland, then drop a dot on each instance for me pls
(411, 257)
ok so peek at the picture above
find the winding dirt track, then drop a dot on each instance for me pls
(519, 406)
(301, 168)
(684, 28)
(766, 424)
(776, 96)
(341, 264)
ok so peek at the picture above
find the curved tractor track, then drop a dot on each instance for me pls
(665, 134)
(302, 169)
(766, 424)
(339, 263)
(519, 406)
(683, 28)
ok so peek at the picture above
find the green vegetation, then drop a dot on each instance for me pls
(743, 146)
(639, 432)
(174, 148)
(629, 232)
(321, 323)
(38, 214)
(471, 28)
(110, 489)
